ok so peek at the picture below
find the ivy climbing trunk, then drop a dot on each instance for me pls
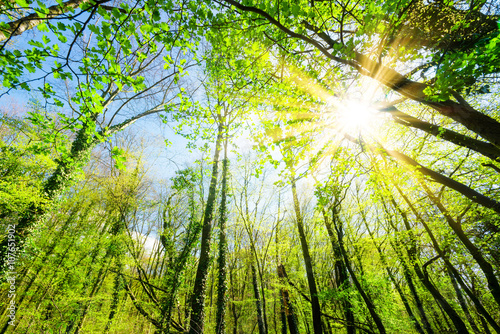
(222, 286)
(172, 277)
(196, 322)
(53, 187)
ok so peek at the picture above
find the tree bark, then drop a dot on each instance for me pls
(341, 271)
(222, 287)
(291, 317)
(316, 310)
(486, 149)
(30, 21)
(460, 111)
(369, 304)
(196, 323)
(260, 318)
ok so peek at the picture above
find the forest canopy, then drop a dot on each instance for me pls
(244, 166)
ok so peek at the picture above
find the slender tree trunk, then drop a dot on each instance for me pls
(57, 182)
(342, 275)
(282, 313)
(406, 304)
(95, 289)
(316, 309)
(424, 278)
(248, 222)
(173, 273)
(260, 318)
(291, 318)
(233, 305)
(196, 323)
(369, 304)
(222, 287)
(286, 308)
(485, 266)
(456, 277)
(462, 302)
(485, 325)
(407, 272)
(117, 288)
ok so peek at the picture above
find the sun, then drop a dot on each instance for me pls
(356, 117)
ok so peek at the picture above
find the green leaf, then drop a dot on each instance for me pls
(43, 27)
(94, 29)
(61, 26)
(62, 38)
(22, 3)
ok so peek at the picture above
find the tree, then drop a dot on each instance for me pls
(361, 196)
(300, 27)
(98, 102)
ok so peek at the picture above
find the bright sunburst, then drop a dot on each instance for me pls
(357, 117)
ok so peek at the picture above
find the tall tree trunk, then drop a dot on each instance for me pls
(95, 289)
(196, 323)
(291, 318)
(114, 252)
(248, 221)
(341, 273)
(316, 309)
(222, 286)
(56, 183)
(485, 266)
(174, 271)
(406, 304)
(369, 304)
(287, 313)
(282, 313)
(462, 302)
(456, 277)
(236, 315)
(407, 272)
(117, 288)
(260, 318)
(424, 278)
